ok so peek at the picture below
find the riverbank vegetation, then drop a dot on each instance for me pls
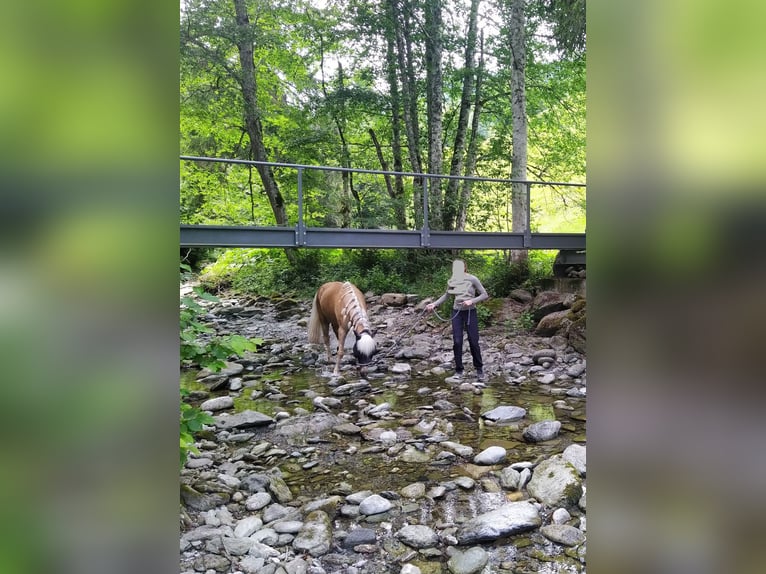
(269, 272)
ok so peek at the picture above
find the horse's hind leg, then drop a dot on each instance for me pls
(327, 343)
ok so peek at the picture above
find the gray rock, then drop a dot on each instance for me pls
(490, 455)
(505, 414)
(547, 379)
(555, 482)
(465, 482)
(212, 562)
(279, 489)
(276, 512)
(217, 404)
(563, 534)
(245, 419)
(471, 561)
(351, 388)
(374, 504)
(205, 533)
(521, 295)
(541, 431)
(418, 536)
(561, 516)
(510, 518)
(576, 370)
(247, 526)
(347, 429)
(296, 566)
(237, 546)
(401, 369)
(199, 501)
(198, 463)
(287, 526)
(509, 478)
(315, 537)
(410, 569)
(358, 497)
(229, 370)
(252, 564)
(266, 536)
(524, 477)
(258, 501)
(457, 448)
(309, 425)
(414, 491)
(574, 454)
(359, 536)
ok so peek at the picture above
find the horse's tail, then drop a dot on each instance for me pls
(315, 323)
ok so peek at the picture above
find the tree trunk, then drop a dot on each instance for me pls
(253, 124)
(401, 21)
(252, 114)
(396, 129)
(434, 103)
(519, 198)
(451, 196)
(473, 145)
(398, 206)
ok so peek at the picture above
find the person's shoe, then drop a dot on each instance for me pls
(456, 378)
(481, 376)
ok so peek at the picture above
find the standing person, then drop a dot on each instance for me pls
(468, 291)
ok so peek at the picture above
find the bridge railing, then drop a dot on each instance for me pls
(302, 235)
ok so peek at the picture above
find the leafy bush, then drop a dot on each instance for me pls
(211, 354)
(214, 352)
(525, 322)
(192, 421)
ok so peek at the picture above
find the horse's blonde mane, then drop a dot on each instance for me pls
(353, 310)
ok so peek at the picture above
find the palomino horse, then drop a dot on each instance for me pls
(341, 305)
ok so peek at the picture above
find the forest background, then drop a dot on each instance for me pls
(494, 88)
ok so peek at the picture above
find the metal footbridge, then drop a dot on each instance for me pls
(301, 235)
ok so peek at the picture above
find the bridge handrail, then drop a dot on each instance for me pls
(379, 172)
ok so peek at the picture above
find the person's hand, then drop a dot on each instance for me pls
(430, 307)
(467, 302)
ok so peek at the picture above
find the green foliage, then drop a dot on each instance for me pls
(191, 422)
(485, 315)
(525, 322)
(315, 112)
(213, 352)
(504, 276)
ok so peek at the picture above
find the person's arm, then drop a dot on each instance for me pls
(439, 301)
(482, 293)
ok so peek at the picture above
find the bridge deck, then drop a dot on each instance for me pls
(240, 236)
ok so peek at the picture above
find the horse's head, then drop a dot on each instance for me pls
(364, 347)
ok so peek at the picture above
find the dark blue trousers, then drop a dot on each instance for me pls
(468, 320)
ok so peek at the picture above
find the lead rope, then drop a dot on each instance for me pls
(388, 353)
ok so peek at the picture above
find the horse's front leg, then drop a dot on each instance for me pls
(341, 335)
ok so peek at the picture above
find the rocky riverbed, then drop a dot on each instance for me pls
(400, 468)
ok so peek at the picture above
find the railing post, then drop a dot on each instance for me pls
(425, 233)
(528, 227)
(300, 232)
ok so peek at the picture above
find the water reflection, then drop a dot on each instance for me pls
(342, 459)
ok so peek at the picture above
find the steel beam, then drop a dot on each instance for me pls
(237, 236)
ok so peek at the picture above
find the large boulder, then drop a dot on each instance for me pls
(547, 302)
(510, 518)
(555, 482)
(553, 323)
